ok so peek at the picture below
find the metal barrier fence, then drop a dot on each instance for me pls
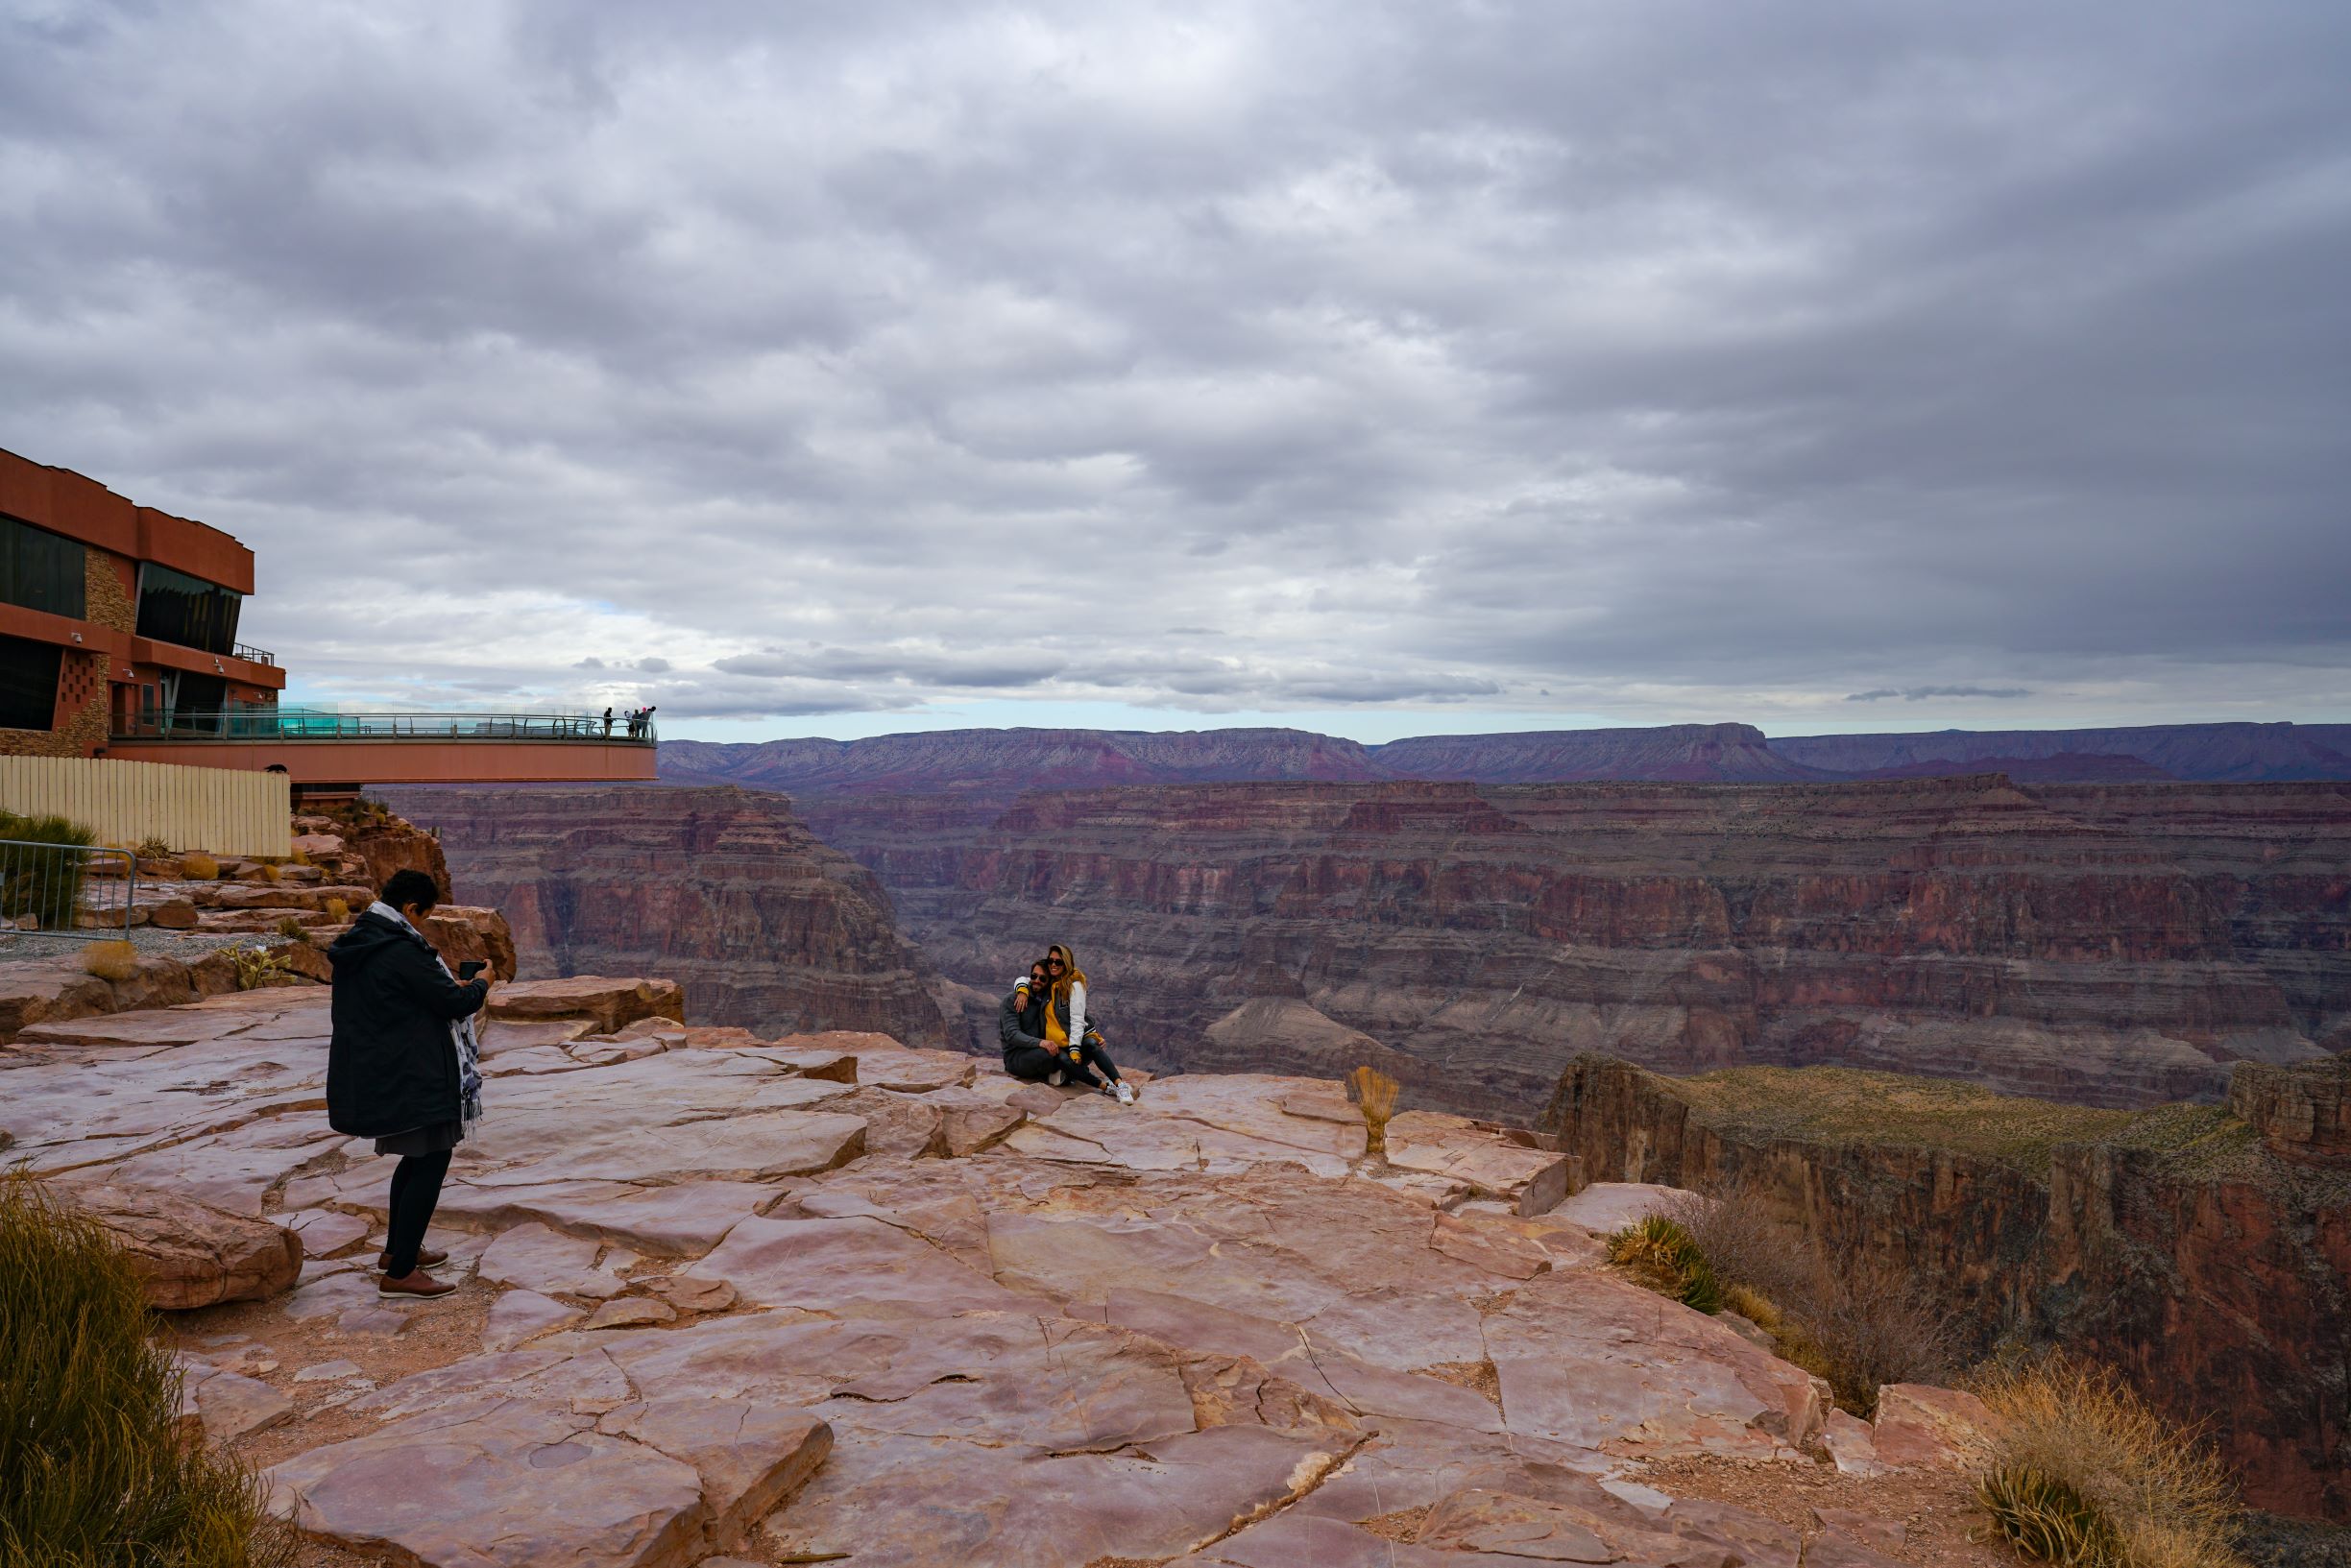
(67, 889)
(260, 722)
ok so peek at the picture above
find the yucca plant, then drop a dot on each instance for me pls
(1376, 1094)
(92, 1471)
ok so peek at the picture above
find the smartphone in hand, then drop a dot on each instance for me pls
(470, 968)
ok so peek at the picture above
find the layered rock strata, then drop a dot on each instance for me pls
(2205, 1254)
(824, 1295)
(725, 890)
(2113, 945)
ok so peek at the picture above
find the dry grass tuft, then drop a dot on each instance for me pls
(153, 848)
(1659, 1252)
(338, 910)
(293, 929)
(112, 961)
(1375, 1092)
(199, 868)
(2085, 1475)
(266, 871)
(92, 1469)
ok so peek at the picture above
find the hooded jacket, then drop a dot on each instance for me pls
(391, 1065)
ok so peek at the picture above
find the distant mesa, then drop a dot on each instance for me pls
(998, 763)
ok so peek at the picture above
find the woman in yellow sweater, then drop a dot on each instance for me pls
(1067, 1033)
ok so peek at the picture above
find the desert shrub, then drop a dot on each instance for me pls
(1734, 1225)
(1857, 1324)
(338, 910)
(112, 961)
(201, 868)
(44, 880)
(267, 872)
(300, 858)
(2085, 1475)
(1866, 1325)
(153, 848)
(92, 1470)
(1657, 1251)
(293, 929)
(1375, 1093)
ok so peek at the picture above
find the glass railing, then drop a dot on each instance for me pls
(264, 723)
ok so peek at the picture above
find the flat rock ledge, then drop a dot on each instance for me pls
(753, 1297)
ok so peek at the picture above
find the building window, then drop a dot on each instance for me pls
(28, 682)
(40, 570)
(177, 608)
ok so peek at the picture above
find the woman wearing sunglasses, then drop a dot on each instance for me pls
(1076, 1047)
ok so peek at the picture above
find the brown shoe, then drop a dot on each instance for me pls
(416, 1285)
(427, 1257)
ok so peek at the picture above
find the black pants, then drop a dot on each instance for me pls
(1036, 1064)
(416, 1191)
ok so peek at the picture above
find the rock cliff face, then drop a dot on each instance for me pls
(2111, 945)
(725, 889)
(2206, 1256)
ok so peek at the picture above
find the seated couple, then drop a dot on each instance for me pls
(1048, 1034)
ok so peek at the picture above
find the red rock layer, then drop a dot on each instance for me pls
(2110, 945)
(723, 889)
(2214, 1277)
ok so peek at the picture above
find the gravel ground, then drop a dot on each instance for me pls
(185, 945)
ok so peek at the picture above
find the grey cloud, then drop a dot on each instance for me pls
(1920, 693)
(1651, 361)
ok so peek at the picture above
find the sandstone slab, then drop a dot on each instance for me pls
(1853, 1447)
(1921, 1426)
(231, 1405)
(630, 1312)
(188, 1254)
(682, 1220)
(518, 1316)
(526, 1483)
(1606, 1206)
(607, 1003)
(1590, 1359)
(535, 1258)
(1457, 1149)
(852, 1267)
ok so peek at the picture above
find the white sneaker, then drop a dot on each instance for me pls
(1126, 1093)
(1056, 1077)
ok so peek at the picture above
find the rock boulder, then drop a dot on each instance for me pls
(189, 1254)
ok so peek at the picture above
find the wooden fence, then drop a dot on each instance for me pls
(219, 811)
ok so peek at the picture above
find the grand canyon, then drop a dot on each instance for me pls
(2115, 947)
(2107, 944)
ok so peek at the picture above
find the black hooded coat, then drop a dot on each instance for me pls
(391, 1066)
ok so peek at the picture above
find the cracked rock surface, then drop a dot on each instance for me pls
(828, 1295)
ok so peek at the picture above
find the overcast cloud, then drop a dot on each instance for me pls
(1402, 368)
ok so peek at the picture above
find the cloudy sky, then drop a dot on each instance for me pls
(1386, 369)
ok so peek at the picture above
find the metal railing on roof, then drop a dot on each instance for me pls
(254, 656)
(259, 723)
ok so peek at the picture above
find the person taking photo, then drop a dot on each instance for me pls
(403, 1065)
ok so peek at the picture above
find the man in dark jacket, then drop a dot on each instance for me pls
(400, 1068)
